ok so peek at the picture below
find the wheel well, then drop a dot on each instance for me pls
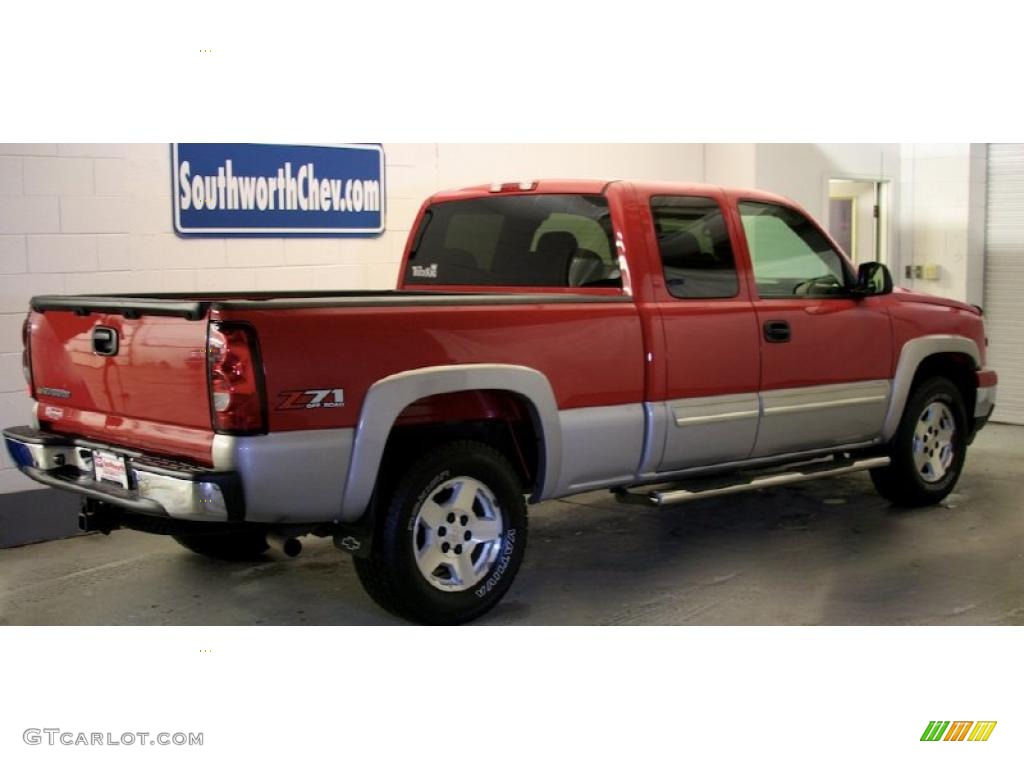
(955, 366)
(502, 419)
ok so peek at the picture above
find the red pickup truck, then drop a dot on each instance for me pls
(667, 341)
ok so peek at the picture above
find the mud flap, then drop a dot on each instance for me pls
(355, 540)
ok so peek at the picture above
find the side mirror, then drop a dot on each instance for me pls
(873, 279)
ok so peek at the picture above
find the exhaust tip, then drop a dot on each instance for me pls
(288, 545)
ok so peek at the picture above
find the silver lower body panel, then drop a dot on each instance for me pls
(289, 477)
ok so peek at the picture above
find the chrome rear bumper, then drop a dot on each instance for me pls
(157, 486)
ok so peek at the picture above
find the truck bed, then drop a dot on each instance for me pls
(152, 395)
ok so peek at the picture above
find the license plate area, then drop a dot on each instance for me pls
(110, 468)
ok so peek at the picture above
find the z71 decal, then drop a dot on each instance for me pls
(310, 398)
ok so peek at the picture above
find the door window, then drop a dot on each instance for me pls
(696, 253)
(790, 255)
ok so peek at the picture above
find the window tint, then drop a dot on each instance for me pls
(475, 234)
(588, 233)
(531, 240)
(790, 255)
(695, 250)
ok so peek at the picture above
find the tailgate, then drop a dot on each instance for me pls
(150, 393)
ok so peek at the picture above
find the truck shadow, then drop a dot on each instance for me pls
(826, 552)
(822, 552)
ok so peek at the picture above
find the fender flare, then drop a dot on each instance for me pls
(387, 398)
(911, 356)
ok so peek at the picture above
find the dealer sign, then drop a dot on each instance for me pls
(278, 189)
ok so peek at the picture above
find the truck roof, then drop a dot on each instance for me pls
(597, 186)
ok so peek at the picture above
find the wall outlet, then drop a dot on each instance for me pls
(918, 272)
(908, 271)
(932, 271)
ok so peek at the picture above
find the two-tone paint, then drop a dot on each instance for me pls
(618, 386)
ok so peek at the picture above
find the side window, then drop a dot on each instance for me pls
(696, 254)
(790, 255)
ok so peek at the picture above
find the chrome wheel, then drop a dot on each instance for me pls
(934, 441)
(457, 534)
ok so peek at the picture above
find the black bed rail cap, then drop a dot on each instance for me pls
(128, 306)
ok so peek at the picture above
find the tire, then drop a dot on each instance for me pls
(925, 435)
(450, 536)
(247, 545)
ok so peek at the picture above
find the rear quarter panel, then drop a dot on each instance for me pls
(592, 353)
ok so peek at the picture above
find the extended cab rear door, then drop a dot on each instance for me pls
(705, 361)
(826, 356)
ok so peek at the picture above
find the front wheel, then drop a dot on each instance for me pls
(929, 448)
(450, 537)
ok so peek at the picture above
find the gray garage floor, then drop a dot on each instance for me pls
(828, 552)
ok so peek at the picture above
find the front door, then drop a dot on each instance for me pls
(826, 356)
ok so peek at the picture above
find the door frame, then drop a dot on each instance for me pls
(885, 233)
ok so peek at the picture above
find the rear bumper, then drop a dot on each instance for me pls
(157, 486)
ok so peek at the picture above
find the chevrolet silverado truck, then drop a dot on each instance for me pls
(665, 341)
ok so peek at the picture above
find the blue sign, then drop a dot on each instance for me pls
(278, 189)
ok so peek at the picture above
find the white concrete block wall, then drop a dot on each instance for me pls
(462, 164)
(731, 165)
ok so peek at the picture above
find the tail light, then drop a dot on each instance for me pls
(236, 379)
(26, 354)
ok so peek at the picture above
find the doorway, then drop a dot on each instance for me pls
(857, 218)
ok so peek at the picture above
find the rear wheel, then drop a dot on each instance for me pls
(245, 545)
(450, 537)
(929, 448)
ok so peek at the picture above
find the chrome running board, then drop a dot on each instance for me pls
(708, 488)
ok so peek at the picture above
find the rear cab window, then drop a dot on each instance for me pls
(542, 240)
